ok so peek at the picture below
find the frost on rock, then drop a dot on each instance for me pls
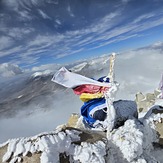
(55, 144)
(133, 143)
(129, 140)
(50, 145)
(90, 152)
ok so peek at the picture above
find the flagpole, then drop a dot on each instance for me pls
(111, 69)
(109, 96)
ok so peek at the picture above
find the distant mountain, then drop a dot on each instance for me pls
(29, 89)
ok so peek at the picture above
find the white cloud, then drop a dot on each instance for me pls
(141, 69)
(8, 70)
(52, 1)
(11, 51)
(35, 2)
(58, 21)
(144, 17)
(157, 44)
(125, 1)
(25, 15)
(12, 3)
(5, 42)
(102, 33)
(52, 67)
(70, 11)
(19, 33)
(97, 32)
(43, 14)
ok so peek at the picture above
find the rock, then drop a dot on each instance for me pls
(32, 158)
(156, 114)
(3, 150)
(72, 121)
(159, 129)
(144, 102)
(159, 125)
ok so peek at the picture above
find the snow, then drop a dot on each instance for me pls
(90, 152)
(111, 113)
(129, 139)
(52, 144)
(43, 73)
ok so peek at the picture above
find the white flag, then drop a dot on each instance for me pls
(72, 80)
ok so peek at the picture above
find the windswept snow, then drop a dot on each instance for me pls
(51, 145)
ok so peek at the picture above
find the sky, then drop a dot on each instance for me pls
(40, 32)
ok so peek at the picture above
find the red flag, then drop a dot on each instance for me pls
(89, 88)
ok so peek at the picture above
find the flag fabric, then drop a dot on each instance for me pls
(90, 107)
(88, 88)
(73, 80)
(89, 96)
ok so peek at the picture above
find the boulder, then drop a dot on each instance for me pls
(72, 121)
(155, 114)
(144, 102)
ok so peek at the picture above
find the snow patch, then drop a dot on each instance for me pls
(44, 73)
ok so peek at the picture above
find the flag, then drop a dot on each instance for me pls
(73, 80)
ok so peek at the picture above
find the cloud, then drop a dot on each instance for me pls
(143, 17)
(70, 11)
(52, 67)
(11, 51)
(43, 14)
(52, 1)
(11, 3)
(19, 33)
(5, 42)
(141, 69)
(58, 21)
(25, 15)
(125, 1)
(8, 70)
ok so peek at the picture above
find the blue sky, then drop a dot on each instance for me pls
(37, 32)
